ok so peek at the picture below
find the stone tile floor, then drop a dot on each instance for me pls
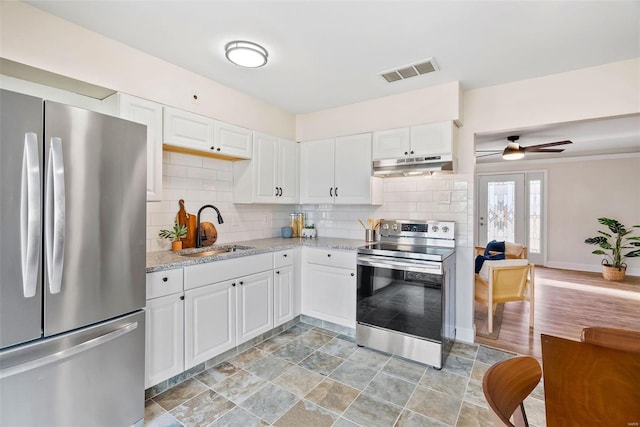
(308, 376)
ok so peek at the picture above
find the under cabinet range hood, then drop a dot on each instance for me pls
(412, 166)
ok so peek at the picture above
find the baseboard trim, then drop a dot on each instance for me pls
(586, 267)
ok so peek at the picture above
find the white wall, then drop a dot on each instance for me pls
(36, 38)
(581, 190)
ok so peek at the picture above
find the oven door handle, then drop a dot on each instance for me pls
(415, 266)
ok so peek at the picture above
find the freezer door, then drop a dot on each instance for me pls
(20, 218)
(95, 217)
(90, 377)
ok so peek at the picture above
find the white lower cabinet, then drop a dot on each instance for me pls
(210, 322)
(164, 326)
(329, 286)
(254, 305)
(164, 339)
(284, 294)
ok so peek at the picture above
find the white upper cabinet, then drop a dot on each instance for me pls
(150, 114)
(392, 143)
(232, 140)
(433, 138)
(188, 130)
(339, 171)
(272, 174)
(191, 131)
(423, 140)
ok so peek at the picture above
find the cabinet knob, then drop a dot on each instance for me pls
(406, 153)
(336, 191)
(331, 192)
(241, 283)
(181, 297)
(213, 148)
(329, 255)
(411, 151)
(353, 274)
(277, 272)
(285, 255)
(233, 284)
(164, 279)
(218, 149)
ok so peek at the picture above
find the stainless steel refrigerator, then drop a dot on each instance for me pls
(72, 265)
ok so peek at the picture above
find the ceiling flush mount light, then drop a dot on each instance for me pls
(513, 152)
(246, 54)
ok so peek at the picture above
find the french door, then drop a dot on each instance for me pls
(511, 208)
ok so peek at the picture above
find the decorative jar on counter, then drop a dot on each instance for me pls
(296, 221)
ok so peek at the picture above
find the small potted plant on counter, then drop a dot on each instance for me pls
(613, 267)
(178, 232)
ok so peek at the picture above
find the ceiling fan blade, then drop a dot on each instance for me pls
(487, 155)
(544, 150)
(489, 151)
(548, 144)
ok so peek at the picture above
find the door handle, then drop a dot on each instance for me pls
(55, 219)
(30, 224)
(69, 352)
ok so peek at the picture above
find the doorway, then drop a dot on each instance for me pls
(511, 208)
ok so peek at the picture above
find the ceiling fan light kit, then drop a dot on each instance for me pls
(513, 152)
(246, 54)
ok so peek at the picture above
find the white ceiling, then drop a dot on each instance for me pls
(328, 53)
(324, 54)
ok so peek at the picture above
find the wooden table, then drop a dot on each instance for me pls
(588, 385)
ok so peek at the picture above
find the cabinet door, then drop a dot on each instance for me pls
(287, 171)
(264, 169)
(316, 182)
(187, 130)
(329, 293)
(164, 339)
(283, 295)
(210, 317)
(353, 169)
(392, 143)
(254, 305)
(232, 140)
(150, 114)
(432, 138)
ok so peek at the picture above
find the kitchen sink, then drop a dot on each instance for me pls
(215, 251)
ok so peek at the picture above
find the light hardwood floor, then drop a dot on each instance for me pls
(566, 302)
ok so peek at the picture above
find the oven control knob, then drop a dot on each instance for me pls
(394, 227)
(385, 226)
(435, 228)
(445, 229)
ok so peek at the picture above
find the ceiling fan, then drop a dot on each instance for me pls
(515, 151)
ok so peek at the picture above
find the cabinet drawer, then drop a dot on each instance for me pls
(218, 271)
(282, 258)
(331, 258)
(161, 283)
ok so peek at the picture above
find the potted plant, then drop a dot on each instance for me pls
(178, 232)
(309, 231)
(613, 266)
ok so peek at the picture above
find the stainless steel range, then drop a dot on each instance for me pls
(406, 290)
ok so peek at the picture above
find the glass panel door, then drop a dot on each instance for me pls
(511, 208)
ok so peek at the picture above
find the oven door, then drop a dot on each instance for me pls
(401, 295)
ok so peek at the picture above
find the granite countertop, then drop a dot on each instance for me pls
(167, 260)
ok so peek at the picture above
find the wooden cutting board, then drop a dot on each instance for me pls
(189, 220)
(208, 233)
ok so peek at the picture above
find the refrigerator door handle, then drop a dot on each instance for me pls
(69, 352)
(30, 225)
(55, 219)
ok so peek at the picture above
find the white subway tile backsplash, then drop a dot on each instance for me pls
(202, 180)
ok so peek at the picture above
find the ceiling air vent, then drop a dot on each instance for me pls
(422, 67)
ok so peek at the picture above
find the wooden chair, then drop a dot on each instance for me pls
(618, 339)
(506, 384)
(505, 283)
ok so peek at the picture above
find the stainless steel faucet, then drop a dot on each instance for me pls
(199, 237)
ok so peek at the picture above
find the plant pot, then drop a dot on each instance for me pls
(610, 272)
(176, 246)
